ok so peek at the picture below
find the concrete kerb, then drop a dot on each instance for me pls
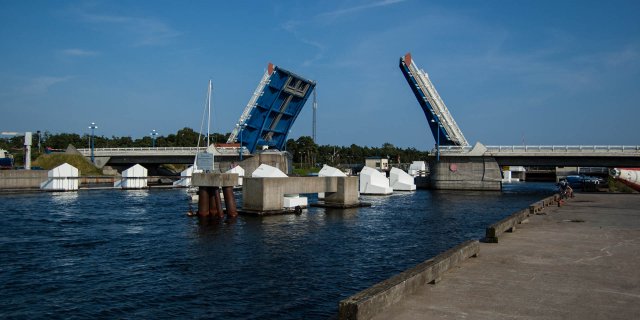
(509, 223)
(369, 302)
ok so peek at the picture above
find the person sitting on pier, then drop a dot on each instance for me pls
(565, 189)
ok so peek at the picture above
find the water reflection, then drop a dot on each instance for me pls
(64, 198)
(137, 195)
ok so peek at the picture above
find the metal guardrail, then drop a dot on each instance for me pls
(587, 149)
(568, 148)
(158, 150)
(145, 149)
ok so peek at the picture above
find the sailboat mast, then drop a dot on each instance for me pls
(209, 113)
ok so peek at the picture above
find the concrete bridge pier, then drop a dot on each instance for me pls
(465, 173)
(261, 196)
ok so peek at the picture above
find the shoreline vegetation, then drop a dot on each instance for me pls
(306, 153)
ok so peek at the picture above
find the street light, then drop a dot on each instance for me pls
(93, 127)
(153, 138)
(437, 140)
(241, 128)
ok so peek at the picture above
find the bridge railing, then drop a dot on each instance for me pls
(151, 150)
(452, 149)
(544, 149)
(145, 149)
(566, 148)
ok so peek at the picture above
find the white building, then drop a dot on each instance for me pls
(378, 163)
(133, 178)
(62, 178)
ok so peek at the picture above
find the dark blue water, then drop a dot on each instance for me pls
(135, 254)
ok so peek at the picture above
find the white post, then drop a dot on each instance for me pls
(27, 150)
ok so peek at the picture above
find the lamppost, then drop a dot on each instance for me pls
(437, 139)
(153, 138)
(241, 129)
(93, 127)
(39, 141)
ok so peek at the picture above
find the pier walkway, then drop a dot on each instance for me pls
(579, 261)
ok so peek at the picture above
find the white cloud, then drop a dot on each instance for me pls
(355, 9)
(41, 85)
(146, 31)
(74, 52)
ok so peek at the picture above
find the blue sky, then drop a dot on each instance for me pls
(538, 72)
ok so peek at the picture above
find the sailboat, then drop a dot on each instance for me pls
(203, 161)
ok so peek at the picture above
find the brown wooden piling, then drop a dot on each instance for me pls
(213, 208)
(218, 202)
(203, 201)
(230, 202)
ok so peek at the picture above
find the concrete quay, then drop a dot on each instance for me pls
(578, 261)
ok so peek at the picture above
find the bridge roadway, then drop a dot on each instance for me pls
(579, 156)
(155, 156)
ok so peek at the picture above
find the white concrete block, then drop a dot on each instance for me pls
(400, 180)
(267, 171)
(240, 171)
(374, 182)
(292, 201)
(328, 171)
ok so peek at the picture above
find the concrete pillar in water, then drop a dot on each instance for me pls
(230, 202)
(218, 202)
(465, 173)
(203, 201)
(213, 182)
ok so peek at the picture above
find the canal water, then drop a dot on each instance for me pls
(135, 254)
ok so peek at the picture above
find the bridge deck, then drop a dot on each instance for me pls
(550, 155)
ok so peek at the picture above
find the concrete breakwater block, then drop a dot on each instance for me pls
(295, 200)
(400, 180)
(329, 171)
(369, 302)
(374, 182)
(267, 171)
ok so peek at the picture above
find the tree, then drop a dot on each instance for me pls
(306, 150)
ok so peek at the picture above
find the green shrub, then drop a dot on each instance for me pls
(50, 161)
